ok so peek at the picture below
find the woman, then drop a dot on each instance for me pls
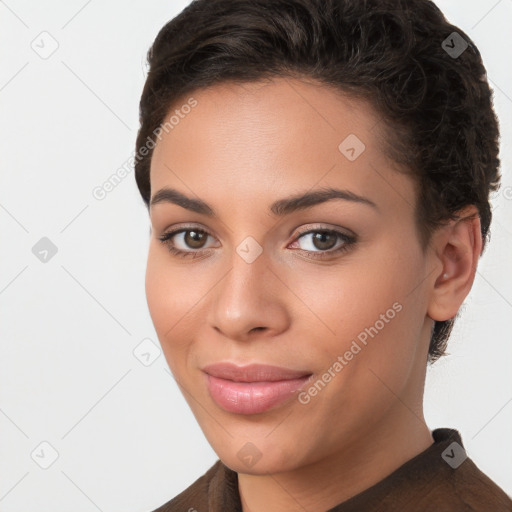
(317, 175)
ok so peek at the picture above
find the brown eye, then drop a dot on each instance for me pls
(320, 243)
(323, 243)
(186, 242)
(324, 240)
(194, 238)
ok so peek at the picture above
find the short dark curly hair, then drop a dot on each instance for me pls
(393, 53)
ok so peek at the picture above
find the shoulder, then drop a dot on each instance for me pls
(453, 482)
(195, 496)
(442, 478)
(470, 489)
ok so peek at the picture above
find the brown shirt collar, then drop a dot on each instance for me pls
(440, 479)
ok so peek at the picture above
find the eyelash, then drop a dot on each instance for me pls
(347, 239)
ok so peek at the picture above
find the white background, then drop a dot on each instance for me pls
(125, 437)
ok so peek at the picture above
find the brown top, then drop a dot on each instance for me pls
(440, 479)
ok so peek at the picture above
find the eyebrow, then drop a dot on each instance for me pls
(280, 207)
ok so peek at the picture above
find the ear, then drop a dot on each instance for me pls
(457, 248)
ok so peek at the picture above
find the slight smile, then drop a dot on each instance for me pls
(254, 388)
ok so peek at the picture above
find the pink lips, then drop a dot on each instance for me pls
(254, 388)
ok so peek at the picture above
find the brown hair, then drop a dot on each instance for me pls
(426, 82)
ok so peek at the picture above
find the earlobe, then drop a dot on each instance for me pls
(458, 246)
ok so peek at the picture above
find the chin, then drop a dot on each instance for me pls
(263, 466)
(258, 458)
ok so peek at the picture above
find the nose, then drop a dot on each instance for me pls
(249, 299)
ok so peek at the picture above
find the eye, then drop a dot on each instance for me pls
(188, 238)
(189, 241)
(323, 243)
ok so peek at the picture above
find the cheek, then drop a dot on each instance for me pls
(369, 303)
(358, 296)
(370, 356)
(157, 284)
(170, 301)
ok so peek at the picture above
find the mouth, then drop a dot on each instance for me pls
(254, 388)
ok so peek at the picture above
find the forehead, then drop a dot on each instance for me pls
(284, 113)
(268, 136)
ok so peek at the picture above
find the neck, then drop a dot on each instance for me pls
(328, 482)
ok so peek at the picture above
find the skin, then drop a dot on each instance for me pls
(240, 149)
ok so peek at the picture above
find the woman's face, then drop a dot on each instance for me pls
(268, 285)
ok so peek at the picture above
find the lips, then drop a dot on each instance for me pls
(254, 388)
(252, 373)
